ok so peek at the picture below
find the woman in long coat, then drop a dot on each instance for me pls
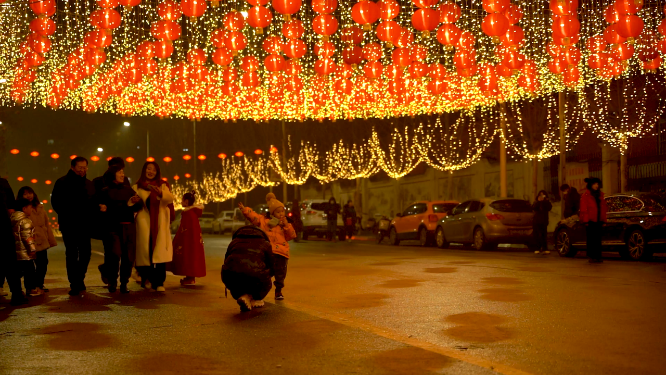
(153, 235)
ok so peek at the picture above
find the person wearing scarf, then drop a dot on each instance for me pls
(154, 248)
(593, 209)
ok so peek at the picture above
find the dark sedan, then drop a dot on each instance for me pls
(635, 227)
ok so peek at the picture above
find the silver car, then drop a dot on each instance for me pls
(487, 222)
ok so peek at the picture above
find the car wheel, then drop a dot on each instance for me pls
(563, 244)
(637, 248)
(423, 237)
(393, 237)
(480, 239)
(440, 238)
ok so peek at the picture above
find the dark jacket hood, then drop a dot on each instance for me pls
(249, 231)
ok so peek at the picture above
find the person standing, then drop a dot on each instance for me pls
(118, 202)
(25, 253)
(279, 233)
(570, 200)
(593, 209)
(332, 212)
(44, 238)
(99, 232)
(154, 248)
(189, 259)
(296, 218)
(349, 218)
(7, 254)
(72, 200)
(541, 209)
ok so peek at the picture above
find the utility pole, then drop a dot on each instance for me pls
(284, 162)
(502, 151)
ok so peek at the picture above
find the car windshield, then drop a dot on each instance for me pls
(654, 203)
(511, 205)
(319, 206)
(229, 215)
(443, 207)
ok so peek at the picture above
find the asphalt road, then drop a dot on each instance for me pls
(356, 308)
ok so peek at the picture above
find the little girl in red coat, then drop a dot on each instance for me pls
(189, 259)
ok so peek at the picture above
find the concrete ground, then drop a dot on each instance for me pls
(356, 308)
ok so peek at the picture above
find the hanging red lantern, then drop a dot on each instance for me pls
(39, 43)
(400, 57)
(43, 26)
(95, 158)
(624, 7)
(108, 3)
(239, 154)
(259, 17)
(286, 7)
(222, 56)
(387, 31)
(425, 20)
(146, 49)
(34, 154)
(343, 86)
(388, 9)
(193, 8)
(95, 56)
(163, 49)
(373, 69)
(513, 60)
(324, 6)
(418, 52)
(351, 34)
(630, 26)
(250, 79)
(169, 10)
(566, 26)
(293, 29)
(230, 74)
(187, 157)
(653, 64)
(249, 63)
(503, 70)
(168, 30)
(595, 44)
(43, 7)
(273, 44)
(564, 7)
(324, 49)
(365, 12)
(449, 12)
(514, 36)
(495, 24)
(437, 71)
(222, 156)
(293, 67)
(167, 159)
(622, 51)
(611, 15)
(324, 66)
(556, 65)
(34, 180)
(437, 87)
(597, 61)
(513, 14)
(325, 24)
(295, 48)
(109, 19)
(448, 34)
(372, 51)
(611, 36)
(130, 3)
(571, 76)
(405, 38)
(274, 63)
(196, 56)
(495, 6)
(418, 69)
(464, 58)
(19, 178)
(234, 21)
(201, 157)
(14, 151)
(187, 175)
(572, 56)
(235, 40)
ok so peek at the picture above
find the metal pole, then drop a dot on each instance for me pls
(284, 161)
(563, 141)
(502, 153)
(194, 124)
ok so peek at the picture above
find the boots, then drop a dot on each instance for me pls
(278, 294)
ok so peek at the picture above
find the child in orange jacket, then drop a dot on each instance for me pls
(279, 232)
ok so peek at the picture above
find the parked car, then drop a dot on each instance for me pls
(419, 221)
(313, 215)
(487, 222)
(635, 227)
(206, 222)
(228, 221)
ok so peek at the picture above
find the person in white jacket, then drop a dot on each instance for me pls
(153, 236)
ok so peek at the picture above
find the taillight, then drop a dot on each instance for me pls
(433, 218)
(311, 212)
(494, 217)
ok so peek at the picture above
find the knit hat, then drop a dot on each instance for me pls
(273, 203)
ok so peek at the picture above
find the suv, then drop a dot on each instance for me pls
(485, 223)
(419, 221)
(313, 215)
(228, 221)
(206, 222)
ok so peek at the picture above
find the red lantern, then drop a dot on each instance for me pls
(250, 79)
(193, 8)
(611, 36)
(239, 154)
(464, 59)
(514, 36)
(425, 19)
(324, 49)
(495, 6)
(653, 64)
(273, 44)
(437, 87)
(595, 44)
(230, 74)
(222, 56)
(622, 51)
(405, 38)
(365, 12)
(373, 69)
(400, 57)
(130, 3)
(564, 7)
(39, 43)
(418, 69)
(187, 157)
(168, 30)
(187, 175)
(495, 24)
(19, 178)
(293, 67)
(324, 66)
(388, 31)
(325, 24)
(630, 26)
(43, 7)
(169, 10)
(624, 7)
(72, 157)
(513, 14)
(566, 26)
(324, 6)
(449, 12)
(259, 17)
(611, 15)
(571, 76)
(295, 49)
(448, 34)
(293, 29)
(274, 63)
(14, 151)
(235, 40)
(572, 56)
(418, 52)
(95, 158)
(95, 56)
(351, 34)
(146, 50)
(107, 3)
(222, 156)
(201, 157)
(34, 154)
(99, 39)
(234, 21)
(513, 60)
(43, 26)
(249, 63)
(34, 180)
(108, 19)
(597, 61)
(196, 57)
(556, 65)
(343, 86)
(286, 6)
(167, 159)
(163, 49)
(372, 52)
(388, 9)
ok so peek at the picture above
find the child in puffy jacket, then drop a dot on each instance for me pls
(26, 253)
(279, 232)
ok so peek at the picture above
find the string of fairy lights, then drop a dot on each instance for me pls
(291, 60)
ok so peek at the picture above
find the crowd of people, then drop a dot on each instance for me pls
(589, 208)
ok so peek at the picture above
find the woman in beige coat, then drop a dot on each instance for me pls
(153, 233)
(44, 238)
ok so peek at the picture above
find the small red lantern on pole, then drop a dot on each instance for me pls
(14, 151)
(201, 157)
(34, 154)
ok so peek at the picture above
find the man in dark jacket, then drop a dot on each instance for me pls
(72, 200)
(332, 211)
(248, 267)
(7, 253)
(541, 208)
(571, 201)
(98, 232)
